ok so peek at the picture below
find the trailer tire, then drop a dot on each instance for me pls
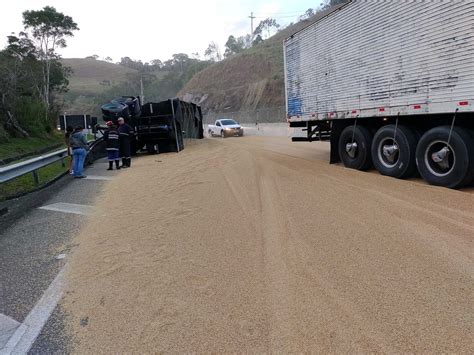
(362, 137)
(401, 163)
(459, 168)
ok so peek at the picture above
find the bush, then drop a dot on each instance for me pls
(30, 114)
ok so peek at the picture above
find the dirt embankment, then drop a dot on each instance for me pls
(259, 245)
(243, 82)
(249, 80)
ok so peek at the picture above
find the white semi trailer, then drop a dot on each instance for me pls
(390, 84)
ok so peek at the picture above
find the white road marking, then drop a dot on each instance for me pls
(69, 208)
(7, 328)
(98, 177)
(26, 334)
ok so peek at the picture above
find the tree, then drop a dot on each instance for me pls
(308, 14)
(49, 30)
(213, 52)
(157, 63)
(108, 59)
(258, 39)
(267, 27)
(237, 45)
(329, 3)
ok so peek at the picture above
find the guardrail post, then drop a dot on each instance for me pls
(36, 177)
(63, 162)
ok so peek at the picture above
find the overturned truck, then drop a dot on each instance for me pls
(158, 126)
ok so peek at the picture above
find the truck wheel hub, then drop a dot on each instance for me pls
(351, 149)
(440, 158)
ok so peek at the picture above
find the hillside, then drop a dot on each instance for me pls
(247, 81)
(89, 79)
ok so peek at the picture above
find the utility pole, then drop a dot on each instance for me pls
(251, 17)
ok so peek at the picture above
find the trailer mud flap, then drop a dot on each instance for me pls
(336, 128)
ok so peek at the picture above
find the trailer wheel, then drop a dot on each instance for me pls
(446, 164)
(391, 157)
(354, 147)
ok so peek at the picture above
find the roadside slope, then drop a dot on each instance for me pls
(249, 80)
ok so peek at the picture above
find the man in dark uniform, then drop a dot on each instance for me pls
(111, 138)
(125, 140)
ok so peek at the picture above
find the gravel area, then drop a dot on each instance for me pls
(257, 244)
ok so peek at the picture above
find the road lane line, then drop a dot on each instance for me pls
(26, 334)
(7, 328)
(69, 208)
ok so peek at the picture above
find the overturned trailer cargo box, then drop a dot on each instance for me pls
(163, 126)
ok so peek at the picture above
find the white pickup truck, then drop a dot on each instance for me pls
(225, 127)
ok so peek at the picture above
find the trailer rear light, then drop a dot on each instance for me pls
(417, 107)
(464, 103)
(381, 109)
(354, 111)
(313, 115)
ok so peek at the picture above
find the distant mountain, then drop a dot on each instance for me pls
(90, 78)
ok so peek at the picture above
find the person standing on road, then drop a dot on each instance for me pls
(67, 135)
(79, 148)
(125, 140)
(111, 138)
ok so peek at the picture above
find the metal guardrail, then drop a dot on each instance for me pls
(13, 171)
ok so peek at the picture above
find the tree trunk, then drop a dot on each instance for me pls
(12, 126)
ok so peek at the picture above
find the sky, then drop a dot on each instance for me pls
(148, 30)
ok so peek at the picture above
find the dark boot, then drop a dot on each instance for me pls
(111, 165)
(124, 163)
(117, 164)
(129, 162)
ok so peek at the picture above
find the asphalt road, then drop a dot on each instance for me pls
(31, 239)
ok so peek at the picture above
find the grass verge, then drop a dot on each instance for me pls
(26, 183)
(18, 146)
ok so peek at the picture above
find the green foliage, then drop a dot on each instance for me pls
(27, 111)
(49, 30)
(50, 27)
(18, 146)
(237, 45)
(26, 183)
(31, 73)
(329, 3)
(213, 52)
(266, 28)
